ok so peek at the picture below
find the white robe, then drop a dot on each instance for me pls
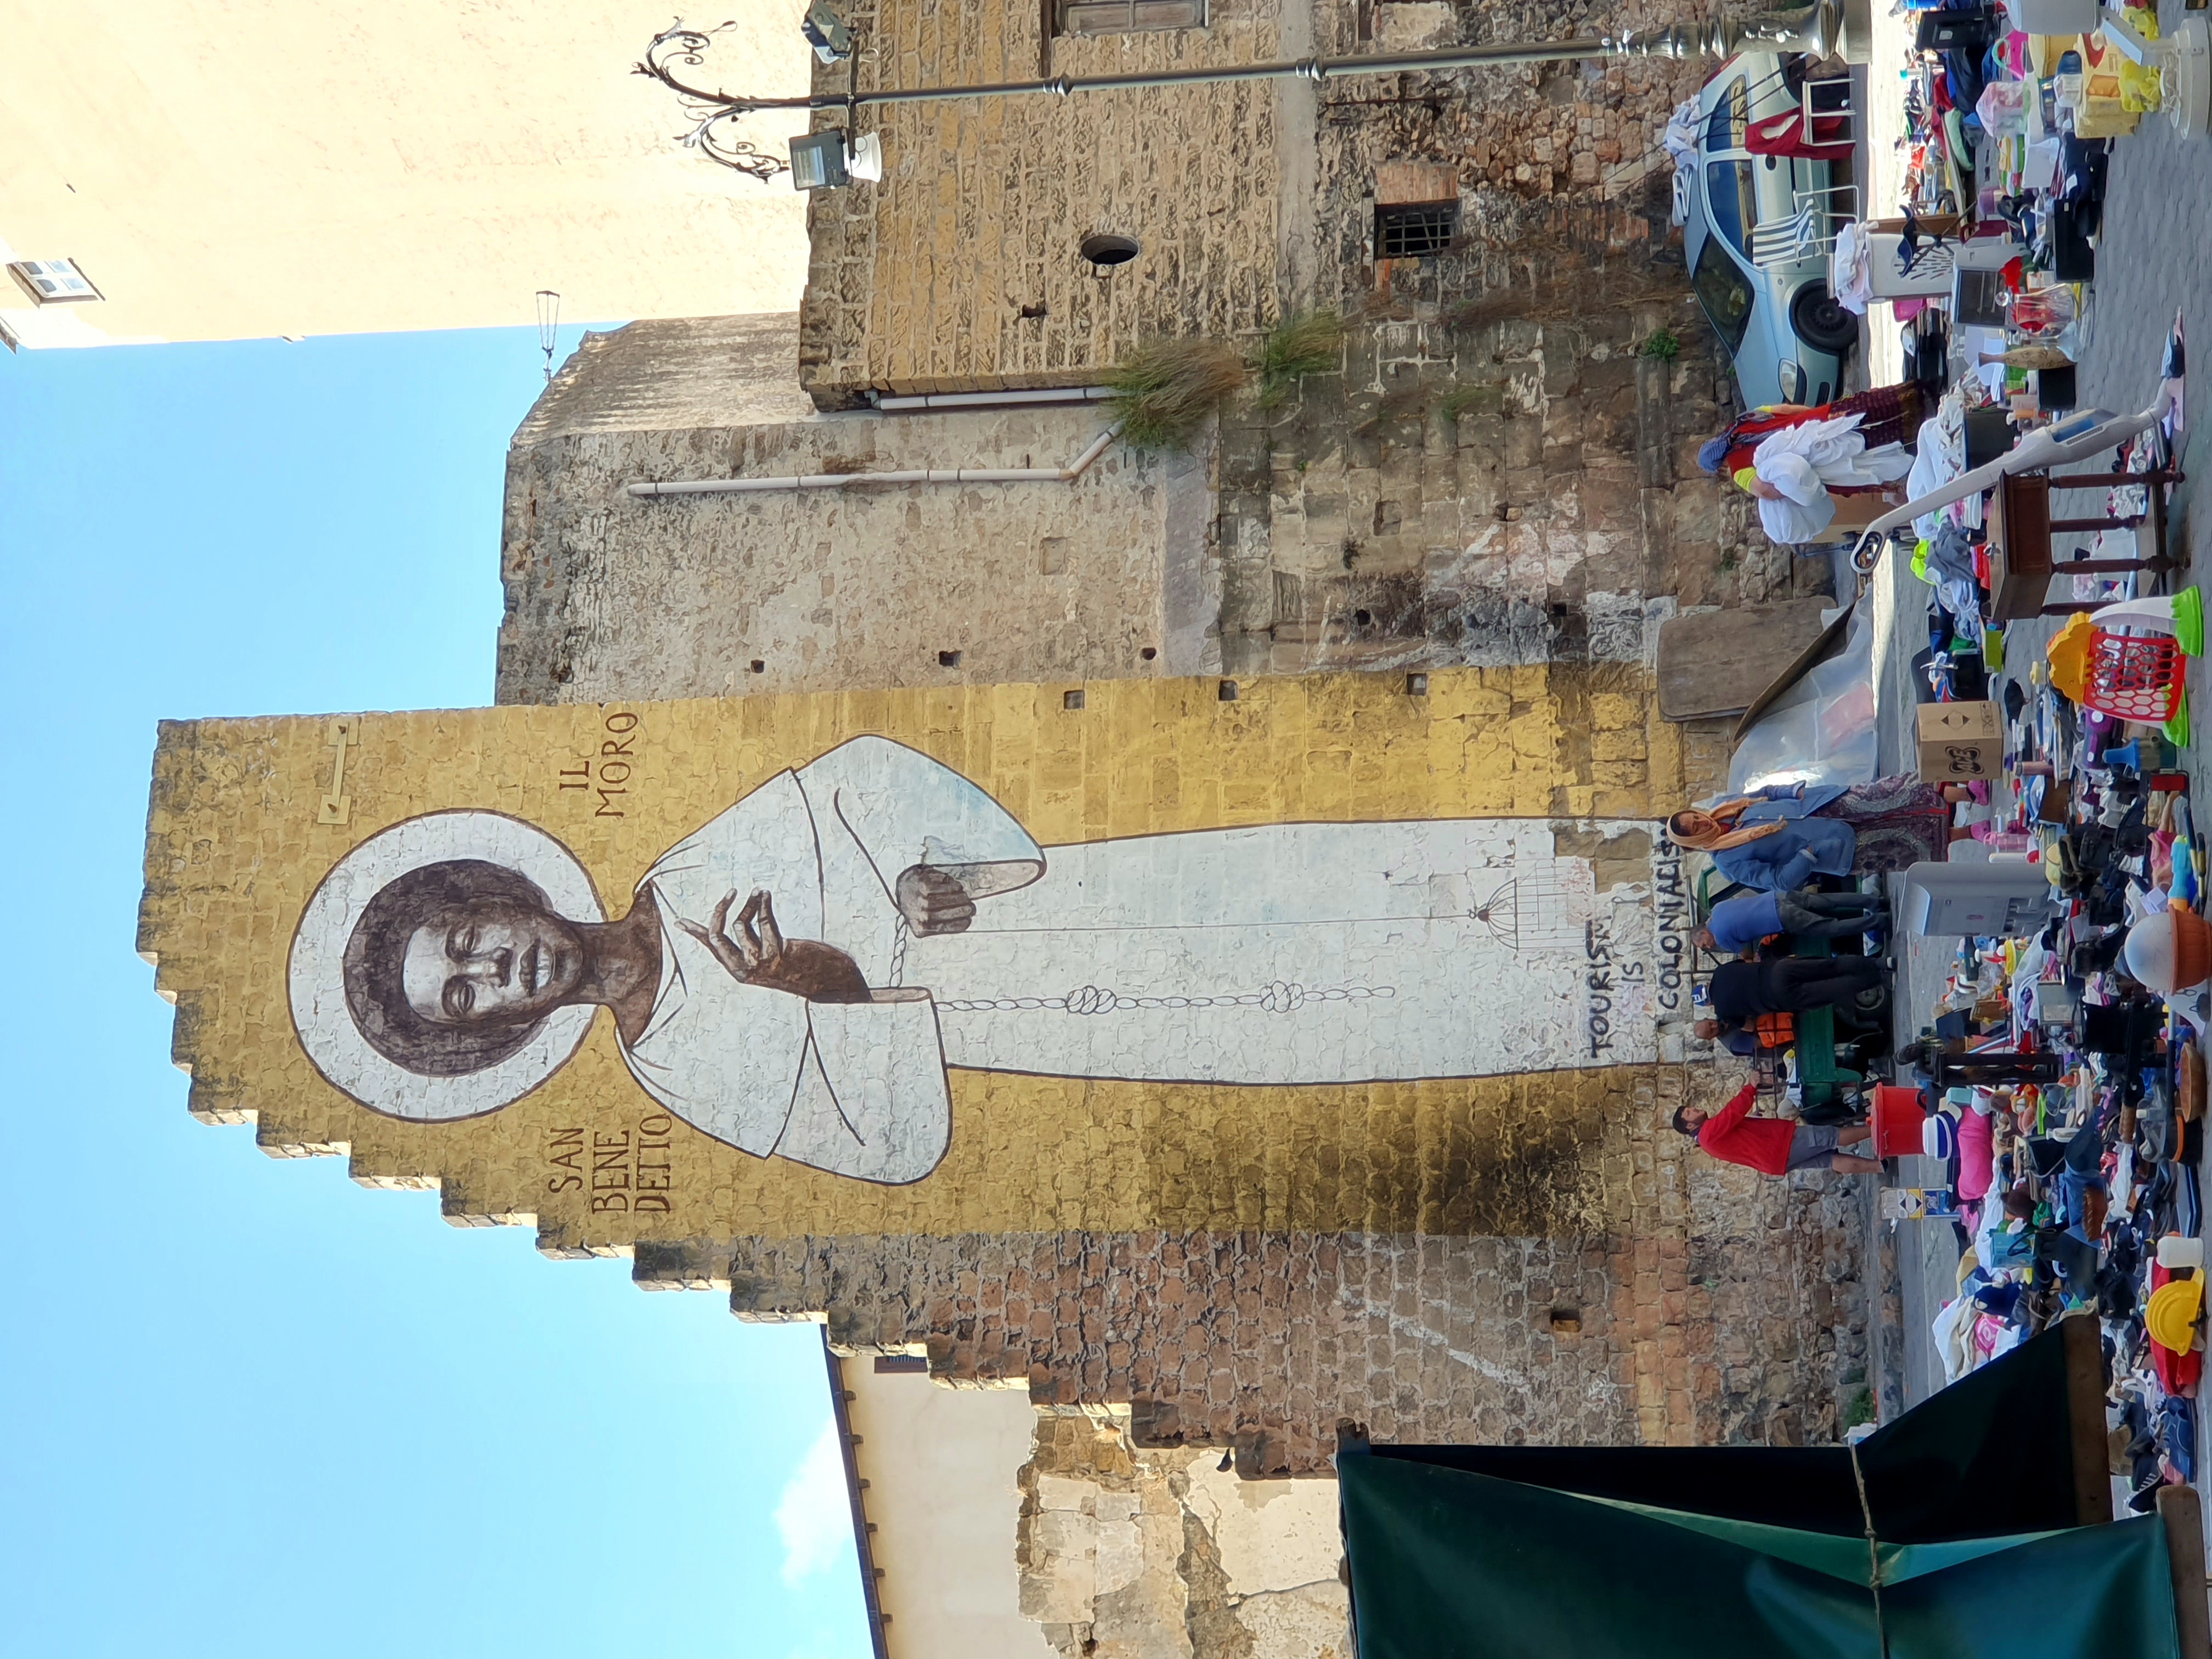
(856, 1088)
(1802, 462)
(1277, 954)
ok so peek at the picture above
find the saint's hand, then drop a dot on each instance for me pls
(934, 902)
(749, 945)
(753, 948)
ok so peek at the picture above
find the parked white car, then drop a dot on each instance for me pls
(1755, 232)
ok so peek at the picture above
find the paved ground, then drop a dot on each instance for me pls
(1920, 1259)
(2155, 249)
(2153, 259)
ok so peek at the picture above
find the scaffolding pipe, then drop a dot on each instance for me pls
(891, 402)
(1068, 474)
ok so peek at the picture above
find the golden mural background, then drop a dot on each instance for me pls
(235, 848)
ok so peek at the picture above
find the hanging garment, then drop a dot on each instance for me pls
(1806, 461)
(1829, 140)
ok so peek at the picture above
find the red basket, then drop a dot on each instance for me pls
(1898, 1120)
(2135, 677)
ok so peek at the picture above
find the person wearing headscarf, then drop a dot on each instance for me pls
(1794, 458)
(1776, 852)
(1777, 840)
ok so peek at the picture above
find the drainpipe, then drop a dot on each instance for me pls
(900, 404)
(870, 1598)
(1068, 474)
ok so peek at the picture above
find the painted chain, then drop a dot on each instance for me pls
(1280, 997)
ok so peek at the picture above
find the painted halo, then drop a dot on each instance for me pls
(319, 1011)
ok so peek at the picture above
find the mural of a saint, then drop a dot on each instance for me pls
(795, 978)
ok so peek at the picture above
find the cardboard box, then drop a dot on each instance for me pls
(1961, 740)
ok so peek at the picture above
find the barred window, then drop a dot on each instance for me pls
(1126, 16)
(1414, 230)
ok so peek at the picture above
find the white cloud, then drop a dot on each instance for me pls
(815, 1514)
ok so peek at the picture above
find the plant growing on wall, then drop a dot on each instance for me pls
(1305, 342)
(1483, 399)
(1164, 388)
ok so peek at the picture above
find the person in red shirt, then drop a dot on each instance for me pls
(1772, 1145)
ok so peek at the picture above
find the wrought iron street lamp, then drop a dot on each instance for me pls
(1819, 30)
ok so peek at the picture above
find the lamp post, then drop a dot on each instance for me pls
(1826, 28)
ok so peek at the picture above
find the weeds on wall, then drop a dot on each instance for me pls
(1480, 399)
(1660, 344)
(1305, 342)
(1164, 390)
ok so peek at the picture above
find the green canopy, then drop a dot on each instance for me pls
(1446, 1562)
(2018, 1446)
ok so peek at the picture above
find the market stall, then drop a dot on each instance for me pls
(2059, 1079)
(1925, 1540)
(2058, 1082)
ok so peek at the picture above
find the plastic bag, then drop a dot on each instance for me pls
(1822, 729)
(2003, 107)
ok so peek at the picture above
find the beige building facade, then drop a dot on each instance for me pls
(987, 1527)
(230, 169)
(937, 1478)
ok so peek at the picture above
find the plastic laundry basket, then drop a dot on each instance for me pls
(2135, 676)
(1900, 1119)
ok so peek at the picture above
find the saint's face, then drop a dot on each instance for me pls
(491, 961)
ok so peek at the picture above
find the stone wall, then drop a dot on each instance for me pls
(1127, 1552)
(1508, 491)
(1104, 577)
(961, 269)
(1485, 493)
(1712, 1307)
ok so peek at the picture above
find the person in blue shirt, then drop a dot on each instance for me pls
(1771, 841)
(1779, 839)
(1738, 924)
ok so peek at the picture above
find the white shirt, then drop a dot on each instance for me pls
(1803, 461)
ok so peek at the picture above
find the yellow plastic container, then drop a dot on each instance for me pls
(2172, 1311)
(2068, 655)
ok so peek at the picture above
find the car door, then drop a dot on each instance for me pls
(1776, 179)
(1735, 205)
(1720, 273)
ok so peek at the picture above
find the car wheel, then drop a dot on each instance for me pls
(1821, 322)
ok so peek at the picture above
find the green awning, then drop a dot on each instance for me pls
(1998, 1451)
(1447, 1562)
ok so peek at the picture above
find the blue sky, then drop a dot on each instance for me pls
(251, 1408)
